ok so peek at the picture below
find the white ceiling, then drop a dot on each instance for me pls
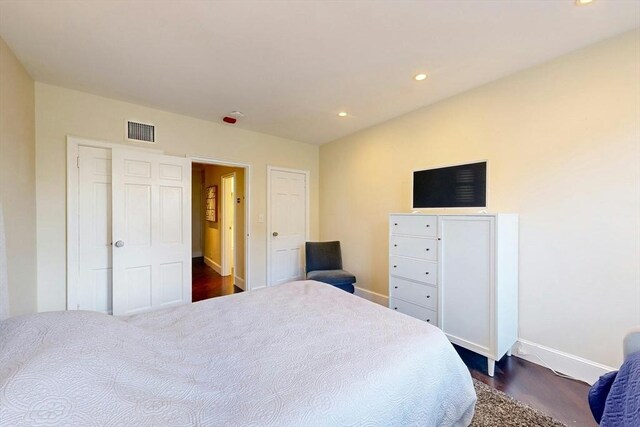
(291, 66)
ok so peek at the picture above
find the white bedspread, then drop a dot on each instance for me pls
(300, 354)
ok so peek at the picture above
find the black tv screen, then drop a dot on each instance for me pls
(463, 186)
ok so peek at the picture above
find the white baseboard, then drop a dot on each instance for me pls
(565, 363)
(197, 254)
(372, 296)
(239, 282)
(211, 263)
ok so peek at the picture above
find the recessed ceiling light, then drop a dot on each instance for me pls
(420, 77)
(342, 114)
(583, 2)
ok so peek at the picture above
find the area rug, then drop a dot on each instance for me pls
(494, 408)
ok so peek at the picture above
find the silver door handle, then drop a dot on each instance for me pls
(275, 234)
(119, 244)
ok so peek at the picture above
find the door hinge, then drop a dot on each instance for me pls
(77, 306)
(78, 162)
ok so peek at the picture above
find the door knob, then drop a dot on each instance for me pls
(275, 234)
(119, 244)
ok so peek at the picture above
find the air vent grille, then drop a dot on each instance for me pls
(141, 132)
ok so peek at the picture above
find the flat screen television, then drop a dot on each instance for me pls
(461, 186)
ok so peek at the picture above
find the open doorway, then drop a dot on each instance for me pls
(218, 230)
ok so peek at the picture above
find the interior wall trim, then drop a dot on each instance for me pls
(239, 281)
(372, 296)
(214, 265)
(574, 366)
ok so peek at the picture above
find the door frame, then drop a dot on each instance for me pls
(223, 219)
(247, 208)
(73, 208)
(307, 196)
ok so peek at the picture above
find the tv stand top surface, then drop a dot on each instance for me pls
(453, 212)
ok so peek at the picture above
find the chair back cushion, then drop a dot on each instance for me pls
(323, 256)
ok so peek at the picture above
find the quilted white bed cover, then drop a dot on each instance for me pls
(298, 354)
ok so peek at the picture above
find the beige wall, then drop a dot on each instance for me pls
(17, 180)
(212, 239)
(563, 145)
(197, 211)
(60, 112)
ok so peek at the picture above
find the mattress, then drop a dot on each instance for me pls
(299, 354)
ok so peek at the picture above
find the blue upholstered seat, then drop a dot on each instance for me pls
(338, 278)
(324, 264)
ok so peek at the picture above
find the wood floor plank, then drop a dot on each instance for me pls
(207, 283)
(536, 386)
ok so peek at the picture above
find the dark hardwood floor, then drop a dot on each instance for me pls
(536, 386)
(206, 283)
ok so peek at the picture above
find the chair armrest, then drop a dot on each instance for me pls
(631, 342)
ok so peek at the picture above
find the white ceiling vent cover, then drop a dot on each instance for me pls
(137, 131)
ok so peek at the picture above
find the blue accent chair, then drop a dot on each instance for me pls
(324, 264)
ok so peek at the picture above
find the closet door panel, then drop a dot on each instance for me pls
(466, 278)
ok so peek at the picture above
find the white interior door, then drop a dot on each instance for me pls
(94, 230)
(151, 231)
(288, 225)
(228, 224)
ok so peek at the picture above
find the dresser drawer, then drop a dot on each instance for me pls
(414, 269)
(421, 313)
(415, 293)
(416, 225)
(414, 247)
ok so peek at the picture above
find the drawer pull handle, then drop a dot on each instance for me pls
(395, 287)
(395, 246)
(428, 226)
(428, 296)
(428, 320)
(427, 249)
(395, 223)
(395, 266)
(426, 272)
(395, 308)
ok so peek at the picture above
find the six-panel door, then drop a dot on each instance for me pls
(288, 225)
(151, 231)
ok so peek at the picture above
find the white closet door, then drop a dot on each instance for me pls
(151, 231)
(94, 230)
(466, 281)
(288, 223)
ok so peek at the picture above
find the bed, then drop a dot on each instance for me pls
(615, 398)
(299, 354)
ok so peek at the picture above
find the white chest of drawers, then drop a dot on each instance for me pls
(413, 266)
(460, 273)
